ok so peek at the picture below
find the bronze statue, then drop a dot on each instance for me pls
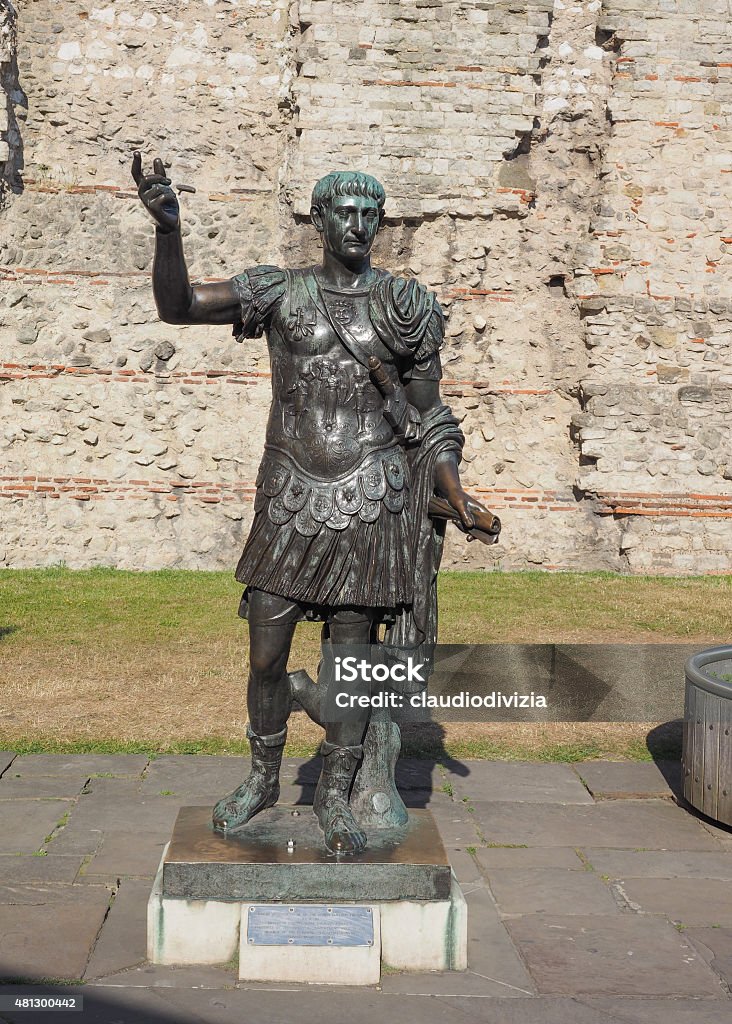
(358, 443)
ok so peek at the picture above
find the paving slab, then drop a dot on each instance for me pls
(541, 1010)
(495, 968)
(298, 770)
(519, 782)
(40, 787)
(631, 824)
(122, 942)
(520, 859)
(73, 764)
(663, 1011)
(722, 833)
(469, 984)
(424, 798)
(491, 952)
(71, 842)
(116, 805)
(105, 1006)
(465, 867)
(314, 1005)
(49, 931)
(123, 854)
(158, 976)
(38, 869)
(6, 759)
(26, 823)
(551, 891)
(456, 826)
(190, 764)
(629, 954)
(659, 864)
(207, 777)
(412, 773)
(687, 901)
(302, 796)
(616, 780)
(715, 946)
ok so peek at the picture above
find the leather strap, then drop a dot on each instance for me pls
(345, 337)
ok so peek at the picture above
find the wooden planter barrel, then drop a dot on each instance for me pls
(707, 751)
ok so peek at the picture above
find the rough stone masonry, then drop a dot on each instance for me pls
(560, 173)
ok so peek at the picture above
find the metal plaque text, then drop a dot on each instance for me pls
(311, 924)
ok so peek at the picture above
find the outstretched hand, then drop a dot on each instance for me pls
(156, 194)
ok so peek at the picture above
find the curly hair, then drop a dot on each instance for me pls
(347, 183)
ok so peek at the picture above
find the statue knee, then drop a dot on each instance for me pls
(266, 667)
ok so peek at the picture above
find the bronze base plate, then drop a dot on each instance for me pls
(256, 864)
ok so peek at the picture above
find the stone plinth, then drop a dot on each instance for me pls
(211, 892)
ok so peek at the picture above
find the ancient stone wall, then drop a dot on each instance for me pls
(558, 172)
(9, 96)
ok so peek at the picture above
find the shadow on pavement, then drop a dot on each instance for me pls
(118, 1006)
(414, 775)
(664, 746)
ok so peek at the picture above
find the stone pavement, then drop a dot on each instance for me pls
(594, 896)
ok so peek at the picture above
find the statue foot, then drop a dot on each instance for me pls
(260, 790)
(341, 831)
(254, 795)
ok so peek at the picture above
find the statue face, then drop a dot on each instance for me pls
(348, 226)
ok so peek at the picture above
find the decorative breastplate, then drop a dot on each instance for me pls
(330, 415)
(327, 416)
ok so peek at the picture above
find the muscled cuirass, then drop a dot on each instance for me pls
(329, 454)
(326, 413)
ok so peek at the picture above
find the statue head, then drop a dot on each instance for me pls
(347, 209)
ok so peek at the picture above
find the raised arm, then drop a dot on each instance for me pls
(178, 301)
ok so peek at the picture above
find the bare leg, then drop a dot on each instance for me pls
(352, 628)
(271, 628)
(268, 692)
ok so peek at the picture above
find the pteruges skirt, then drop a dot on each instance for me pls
(365, 565)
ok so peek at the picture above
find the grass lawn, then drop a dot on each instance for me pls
(156, 662)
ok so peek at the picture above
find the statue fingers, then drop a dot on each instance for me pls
(150, 192)
(159, 167)
(149, 180)
(462, 507)
(137, 167)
